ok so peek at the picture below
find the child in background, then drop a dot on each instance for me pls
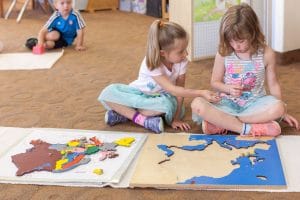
(61, 29)
(241, 65)
(159, 89)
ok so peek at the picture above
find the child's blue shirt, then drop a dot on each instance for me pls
(67, 27)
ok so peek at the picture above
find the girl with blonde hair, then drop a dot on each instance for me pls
(159, 89)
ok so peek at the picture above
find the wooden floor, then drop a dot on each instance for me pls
(65, 96)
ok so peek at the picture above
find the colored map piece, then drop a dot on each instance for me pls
(107, 154)
(98, 171)
(59, 157)
(38, 158)
(109, 146)
(126, 142)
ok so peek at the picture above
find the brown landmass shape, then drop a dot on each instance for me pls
(38, 158)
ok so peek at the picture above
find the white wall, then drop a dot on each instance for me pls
(285, 25)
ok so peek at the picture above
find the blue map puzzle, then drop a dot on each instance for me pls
(252, 162)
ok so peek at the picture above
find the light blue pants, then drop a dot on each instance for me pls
(257, 106)
(131, 97)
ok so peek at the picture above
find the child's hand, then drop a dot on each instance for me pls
(80, 48)
(235, 90)
(180, 124)
(211, 96)
(293, 122)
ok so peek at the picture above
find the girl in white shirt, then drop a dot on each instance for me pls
(159, 90)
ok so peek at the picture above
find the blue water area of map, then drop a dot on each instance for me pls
(264, 169)
(166, 149)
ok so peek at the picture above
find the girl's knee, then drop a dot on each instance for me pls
(195, 103)
(198, 105)
(278, 109)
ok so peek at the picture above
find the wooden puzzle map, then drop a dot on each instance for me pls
(208, 161)
(39, 143)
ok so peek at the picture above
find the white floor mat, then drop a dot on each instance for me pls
(28, 61)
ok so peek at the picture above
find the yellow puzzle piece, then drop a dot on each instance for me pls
(98, 171)
(126, 142)
(73, 143)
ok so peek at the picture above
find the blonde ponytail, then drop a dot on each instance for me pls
(153, 48)
(161, 36)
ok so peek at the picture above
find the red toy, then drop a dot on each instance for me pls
(38, 49)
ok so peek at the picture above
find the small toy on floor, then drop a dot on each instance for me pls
(38, 49)
(31, 42)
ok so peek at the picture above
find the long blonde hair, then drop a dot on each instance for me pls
(161, 36)
(240, 23)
